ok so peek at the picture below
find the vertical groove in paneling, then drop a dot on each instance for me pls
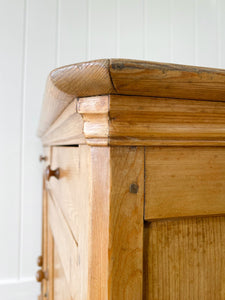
(11, 32)
(207, 45)
(102, 29)
(131, 29)
(222, 32)
(73, 31)
(145, 31)
(219, 30)
(158, 28)
(182, 31)
(88, 29)
(22, 126)
(171, 7)
(195, 34)
(117, 28)
(184, 259)
(57, 34)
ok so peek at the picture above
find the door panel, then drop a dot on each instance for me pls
(185, 259)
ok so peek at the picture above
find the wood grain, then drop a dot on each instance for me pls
(44, 244)
(145, 120)
(184, 181)
(67, 128)
(136, 121)
(99, 224)
(130, 120)
(71, 193)
(65, 191)
(61, 289)
(184, 259)
(44, 287)
(131, 77)
(95, 114)
(50, 270)
(116, 228)
(126, 224)
(127, 77)
(54, 102)
(66, 82)
(66, 248)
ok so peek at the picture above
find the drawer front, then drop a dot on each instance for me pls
(184, 181)
(68, 214)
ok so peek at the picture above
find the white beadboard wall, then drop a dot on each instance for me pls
(39, 35)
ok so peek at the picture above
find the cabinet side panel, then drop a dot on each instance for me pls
(185, 259)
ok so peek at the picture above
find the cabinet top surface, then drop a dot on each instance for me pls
(140, 78)
(128, 77)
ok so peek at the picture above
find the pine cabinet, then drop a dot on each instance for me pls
(133, 182)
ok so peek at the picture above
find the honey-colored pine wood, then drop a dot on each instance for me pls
(163, 121)
(44, 254)
(184, 259)
(130, 120)
(116, 229)
(126, 224)
(66, 247)
(137, 211)
(135, 77)
(67, 129)
(61, 289)
(54, 102)
(44, 284)
(95, 113)
(50, 270)
(72, 193)
(127, 77)
(64, 84)
(65, 190)
(99, 225)
(181, 181)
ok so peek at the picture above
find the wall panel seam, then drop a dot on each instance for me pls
(22, 128)
(57, 48)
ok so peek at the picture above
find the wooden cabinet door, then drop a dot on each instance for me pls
(184, 232)
(67, 207)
